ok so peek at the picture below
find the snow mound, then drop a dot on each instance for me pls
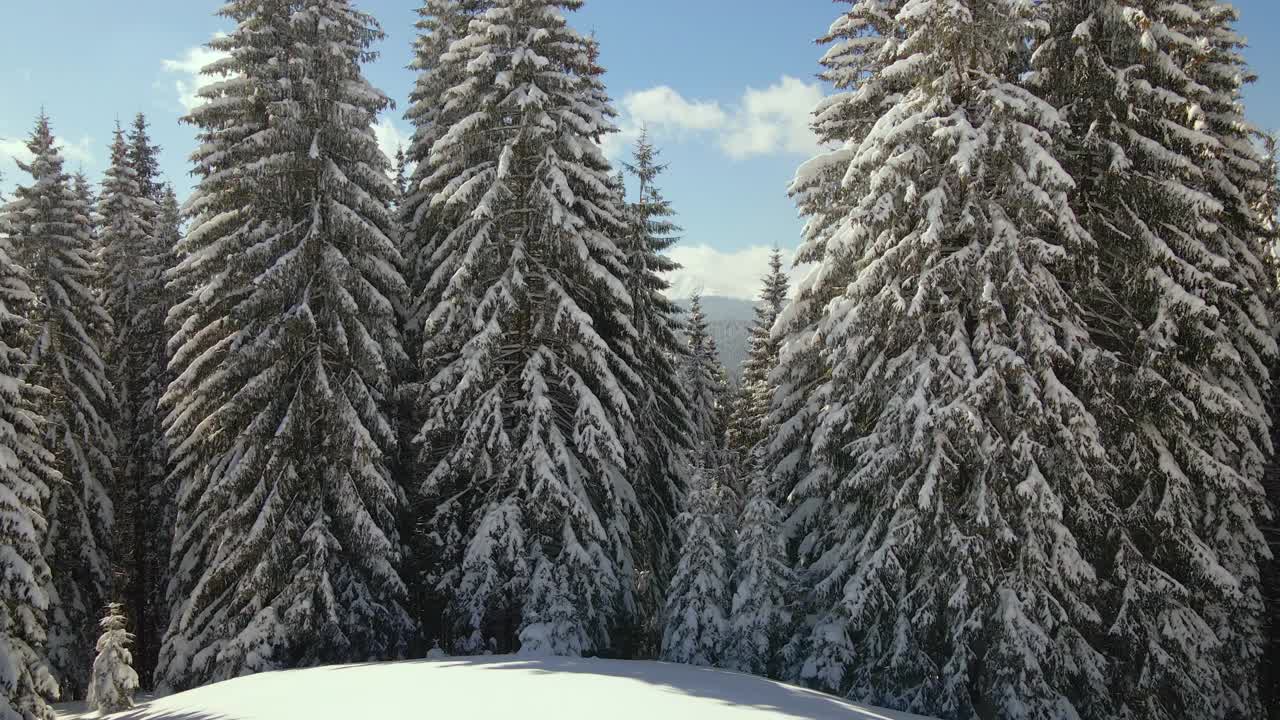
(499, 687)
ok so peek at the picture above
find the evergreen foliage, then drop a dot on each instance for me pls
(424, 224)
(663, 419)
(114, 680)
(748, 425)
(958, 461)
(696, 628)
(1151, 95)
(1267, 206)
(52, 236)
(27, 478)
(760, 614)
(286, 549)
(707, 388)
(527, 411)
(135, 253)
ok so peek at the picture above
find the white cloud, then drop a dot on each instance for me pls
(188, 68)
(735, 274)
(662, 107)
(390, 137)
(775, 119)
(763, 122)
(665, 113)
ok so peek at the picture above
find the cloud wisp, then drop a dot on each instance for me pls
(724, 273)
(189, 79)
(390, 137)
(765, 121)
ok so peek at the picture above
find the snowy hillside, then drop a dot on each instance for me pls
(499, 686)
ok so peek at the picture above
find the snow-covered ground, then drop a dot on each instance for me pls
(521, 688)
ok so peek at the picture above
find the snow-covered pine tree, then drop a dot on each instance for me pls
(84, 192)
(706, 387)
(1150, 91)
(1235, 176)
(696, 616)
(760, 613)
(440, 24)
(662, 413)
(27, 475)
(52, 237)
(401, 165)
(135, 253)
(114, 680)
(862, 41)
(423, 227)
(953, 579)
(286, 552)
(1267, 206)
(748, 422)
(527, 418)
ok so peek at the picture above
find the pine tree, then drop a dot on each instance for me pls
(663, 420)
(760, 614)
(286, 552)
(162, 485)
(84, 193)
(114, 680)
(1151, 94)
(706, 385)
(861, 43)
(527, 416)
(53, 238)
(424, 225)
(697, 608)
(135, 255)
(760, 623)
(748, 423)
(951, 575)
(401, 166)
(1235, 176)
(27, 477)
(1267, 206)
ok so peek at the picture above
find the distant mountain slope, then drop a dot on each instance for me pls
(730, 321)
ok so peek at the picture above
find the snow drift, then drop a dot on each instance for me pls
(499, 687)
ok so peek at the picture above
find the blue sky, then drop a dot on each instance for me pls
(725, 85)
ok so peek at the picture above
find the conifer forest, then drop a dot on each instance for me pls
(1005, 448)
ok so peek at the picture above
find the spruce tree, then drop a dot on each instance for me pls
(760, 614)
(706, 385)
(285, 551)
(135, 255)
(1151, 94)
(27, 478)
(440, 24)
(663, 421)
(424, 224)
(84, 193)
(114, 680)
(1235, 176)
(1267, 206)
(527, 418)
(401, 167)
(696, 628)
(52, 236)
(862, 42)
(747, 425)
(951, 575)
